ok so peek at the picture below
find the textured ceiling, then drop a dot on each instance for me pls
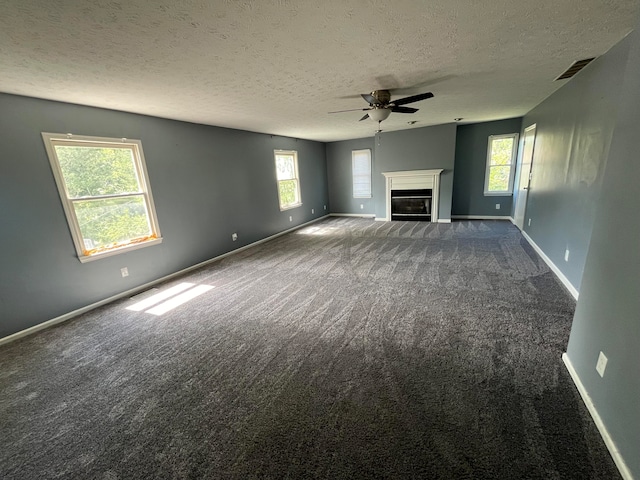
(278, 66)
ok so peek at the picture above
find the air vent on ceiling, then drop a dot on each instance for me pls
(575, 68)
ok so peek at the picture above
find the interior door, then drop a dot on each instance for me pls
(525, 175)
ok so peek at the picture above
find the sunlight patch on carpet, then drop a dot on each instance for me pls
(171, 298)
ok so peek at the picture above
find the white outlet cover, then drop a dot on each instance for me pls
(325, 207)
(566, 255)
(361, 206)
(497, 206)
(290, 218)
(529, 222)
(124, 271)
(602, 364)
(234, 236)
(313, 211)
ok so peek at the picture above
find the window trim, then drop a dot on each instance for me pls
(294, 154)
(52, 139)
(512, 165)
(354, 153)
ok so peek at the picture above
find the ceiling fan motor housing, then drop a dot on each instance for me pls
(383, 96)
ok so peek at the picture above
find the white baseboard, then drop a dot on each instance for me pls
(604, 433)
(513, 221)
(382, 219)
(480, 217)
(361, 215)
(444, 220)
(141, 288)
(565, 281)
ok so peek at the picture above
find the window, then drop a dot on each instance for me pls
(361, 171)
(288, 182)
(501, 157)
(105, 193)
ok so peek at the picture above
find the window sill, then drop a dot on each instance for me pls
(117, 251)
(289, 207)
(498, 194)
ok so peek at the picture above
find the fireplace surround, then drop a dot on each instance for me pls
(412, 194)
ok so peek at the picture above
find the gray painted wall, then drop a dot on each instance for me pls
(415, 149)
(340, 176)
(608, 313)
(207, 183)
(574, 130)
(471, 160)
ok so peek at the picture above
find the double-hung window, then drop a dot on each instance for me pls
(105, 193)
(361, 173)
(501, 161)
(288, 180)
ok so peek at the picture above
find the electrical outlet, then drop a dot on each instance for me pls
(361, 206)
(602, 364)
(234, 236)
(290, 218)
(566, 255)
(313, 211)
(124, 271)
(497, 206)
(325, 207)
(529, 224)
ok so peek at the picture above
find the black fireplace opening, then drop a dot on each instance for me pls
(411, 204)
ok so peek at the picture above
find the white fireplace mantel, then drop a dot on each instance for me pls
(413, 179)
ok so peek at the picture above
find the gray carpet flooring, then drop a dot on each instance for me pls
(345, 350)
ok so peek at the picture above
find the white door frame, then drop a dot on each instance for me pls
(524, 179)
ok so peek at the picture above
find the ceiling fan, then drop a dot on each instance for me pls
(381, 106)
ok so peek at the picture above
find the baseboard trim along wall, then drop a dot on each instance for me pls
(146, 286)
(480, 217)
(565, 281)
(604, 433)
(361, 215)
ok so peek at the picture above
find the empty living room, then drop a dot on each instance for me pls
(319, 240)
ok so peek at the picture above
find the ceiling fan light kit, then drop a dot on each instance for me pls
(379, 114)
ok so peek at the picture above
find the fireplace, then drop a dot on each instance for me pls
(411, 204)
(412, 195)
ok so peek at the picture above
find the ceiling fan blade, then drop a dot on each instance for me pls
(366, 115)
(370, 99)
(397, 109)
(352, 110)
(387, 82)
(351, 97)
(414, 88)
(414, 98)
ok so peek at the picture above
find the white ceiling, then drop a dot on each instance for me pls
(278, 66)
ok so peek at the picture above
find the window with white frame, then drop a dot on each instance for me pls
(105, 193)
(501, 162)
(361, 173)
(288, 181)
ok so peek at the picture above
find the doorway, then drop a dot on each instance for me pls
(524, 181)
